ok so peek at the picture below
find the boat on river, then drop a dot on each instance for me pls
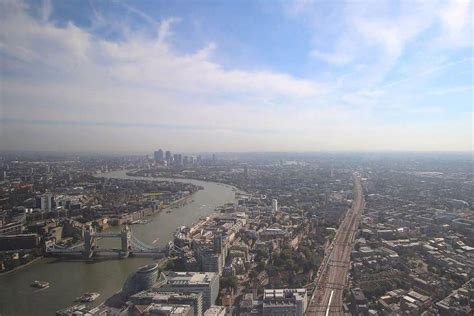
(140, 221)
(40, 284)
(88, 297)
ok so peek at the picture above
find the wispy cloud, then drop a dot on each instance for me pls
(452, 90)
(430, 70)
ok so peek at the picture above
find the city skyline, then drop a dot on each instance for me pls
(302, 76)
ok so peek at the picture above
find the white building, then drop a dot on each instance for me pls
(46, 202)
(216, 311)
(274, 205)
(191, 282)
(285, 302)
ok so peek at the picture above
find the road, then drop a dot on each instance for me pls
(332, 275)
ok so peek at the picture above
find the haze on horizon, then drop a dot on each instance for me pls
(133, 76)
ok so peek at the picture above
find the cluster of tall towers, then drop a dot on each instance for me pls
(175, 159)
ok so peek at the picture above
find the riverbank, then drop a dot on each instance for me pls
(70, 279)
(172, 177)
(21, 267)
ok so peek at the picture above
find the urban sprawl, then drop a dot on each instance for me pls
(308, 234)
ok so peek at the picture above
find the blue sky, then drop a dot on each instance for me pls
(132, 76)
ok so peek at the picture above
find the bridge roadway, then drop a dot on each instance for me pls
(331, 279)
(87, 249)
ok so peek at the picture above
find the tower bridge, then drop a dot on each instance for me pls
(130, 246)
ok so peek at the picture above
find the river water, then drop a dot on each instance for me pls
(70, 279)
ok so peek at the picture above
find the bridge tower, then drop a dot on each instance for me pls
(125, 236)
(89, 243)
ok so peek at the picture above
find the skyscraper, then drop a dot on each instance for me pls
(168, 156)
(47, 202)
(159, 155)
(274, 205)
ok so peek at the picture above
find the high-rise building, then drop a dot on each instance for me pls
(159, 155)
(212, 262)
(168, 156)
(218, 243)
(185, 160)
(180, 160)
(214, 159)
(47, 202)
(206, 283)
(246, 171)
(175, 159)
(274, 205)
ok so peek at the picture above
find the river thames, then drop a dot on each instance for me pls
(70, 279)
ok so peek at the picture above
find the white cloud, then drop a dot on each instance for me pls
(457, 22)
(138, 59)
(164, 31)
(139, 92)
(337, 58)
(377, 34)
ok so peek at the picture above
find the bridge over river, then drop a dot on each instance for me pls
(72, 278)
(130, 246)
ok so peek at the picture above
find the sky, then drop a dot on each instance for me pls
(200, 76)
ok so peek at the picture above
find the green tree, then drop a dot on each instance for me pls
(228, 283)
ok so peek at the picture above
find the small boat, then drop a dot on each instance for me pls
(140, 221)
(40, 284)
(88, 297)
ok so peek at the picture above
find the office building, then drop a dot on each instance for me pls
(47, 202)
(140, 280)
(206, 283)
(12, 228)
(159, 155)
(274, 205)
(168, 156)
(216, 311)
(168, 310)
(150, 297)
(211, 262)
(284, 302)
